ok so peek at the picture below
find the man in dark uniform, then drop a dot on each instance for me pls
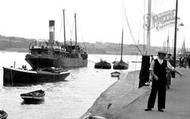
(158, 71)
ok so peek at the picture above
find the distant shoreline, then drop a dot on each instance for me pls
(22, 44)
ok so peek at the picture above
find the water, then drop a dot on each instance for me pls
(64, 100)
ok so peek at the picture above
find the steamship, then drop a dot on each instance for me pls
(56, 54)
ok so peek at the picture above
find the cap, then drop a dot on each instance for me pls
(162, 52)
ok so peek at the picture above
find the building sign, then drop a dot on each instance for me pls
(159, 21)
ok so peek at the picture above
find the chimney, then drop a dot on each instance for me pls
(51, 31)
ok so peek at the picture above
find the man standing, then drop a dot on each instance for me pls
(158, 69)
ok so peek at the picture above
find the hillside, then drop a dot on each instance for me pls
(14, 43)
(113, 48)
(21, 45)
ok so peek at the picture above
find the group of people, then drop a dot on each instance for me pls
(184, 61)
(160, 73)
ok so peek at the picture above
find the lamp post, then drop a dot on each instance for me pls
(175, 34)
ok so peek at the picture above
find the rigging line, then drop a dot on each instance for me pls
(69, 25)
(72, 30)
(81, 35)
(144, 30)
(162, 2)
(140, 28)
(139, 31)
(60, 30)
(130, 29)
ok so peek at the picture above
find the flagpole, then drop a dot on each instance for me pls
(148, 29)
(144, 72)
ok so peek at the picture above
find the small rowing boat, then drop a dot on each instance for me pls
(3, 114)
(37, 95)
(115, 74)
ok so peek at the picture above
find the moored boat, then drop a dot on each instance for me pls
(121, 64)
(102, 65)
(19, 76)
(115, 74)
(37, 95)
(3, 114)
(56, 54)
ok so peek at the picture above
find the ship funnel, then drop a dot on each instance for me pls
(51, 31)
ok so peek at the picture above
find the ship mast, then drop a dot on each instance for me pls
(75, 30)
(64, 27)
(144, 72)
(121, 46)
(168, 44)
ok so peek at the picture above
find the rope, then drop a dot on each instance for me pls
(82, 37)
(130, 29)
(60, 28)
(144, 30)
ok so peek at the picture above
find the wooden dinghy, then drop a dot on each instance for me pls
(37, 95)
(3, 114)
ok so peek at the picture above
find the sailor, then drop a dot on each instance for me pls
(158, 69)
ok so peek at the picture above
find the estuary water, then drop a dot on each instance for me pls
(68, 99)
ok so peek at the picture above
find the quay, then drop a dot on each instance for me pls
(122, 102)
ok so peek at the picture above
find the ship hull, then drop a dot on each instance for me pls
(61, 62)
(121, 65)
(102, 65)
(40, 61)
(71, 62)
(13, 77)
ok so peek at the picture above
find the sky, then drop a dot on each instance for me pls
(97, 20)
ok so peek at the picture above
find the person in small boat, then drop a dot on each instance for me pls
(158, 69)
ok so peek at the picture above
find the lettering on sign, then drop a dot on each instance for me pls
(159, 21)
